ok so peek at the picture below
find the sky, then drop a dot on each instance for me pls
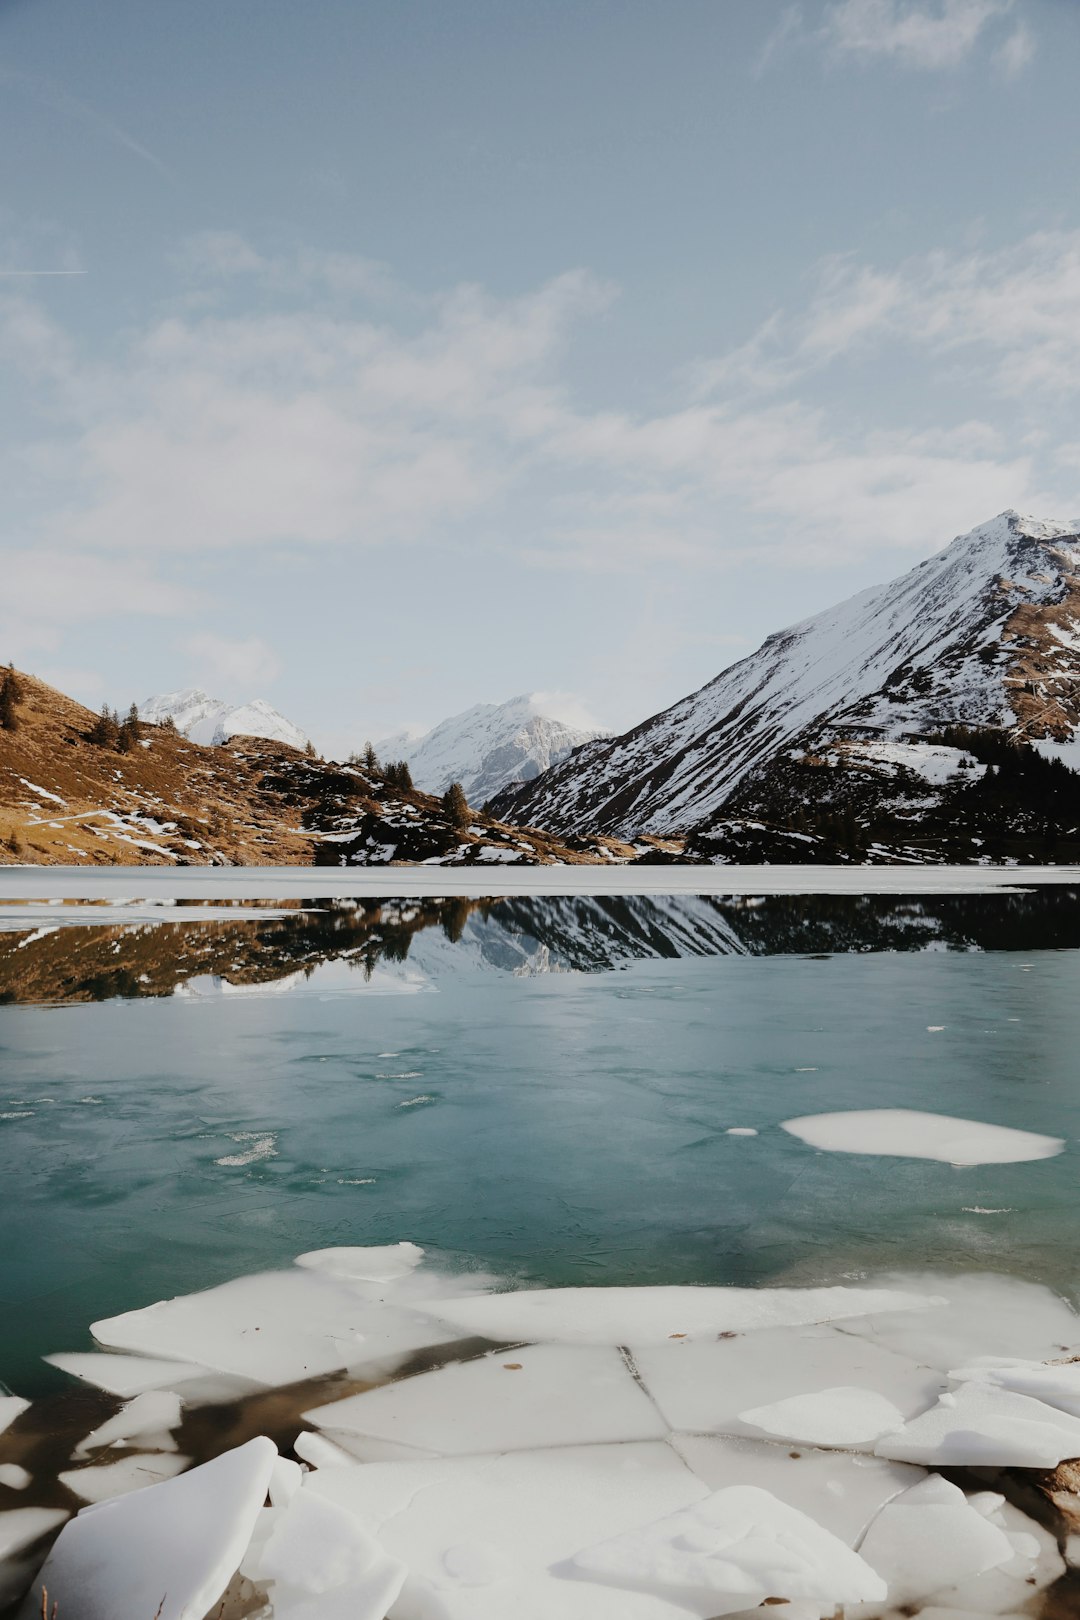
(384, 357)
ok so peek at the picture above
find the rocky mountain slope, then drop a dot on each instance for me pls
(488, 747)
(984, 635)
(205, 719)
(158, 798)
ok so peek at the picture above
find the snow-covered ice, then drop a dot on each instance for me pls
(169, 1550)
(908, 1134)
(640, 1316)
(1056, 1385)
(102, 1481)
(545, 1395)
(930, 1538)
(365, 1265)
(124, 1375)
(708, 1385)
(321, 1562)
(980, 1424)
(11, 1406)
(21, 1527)
(14, 1476)
(152, 1414)
(732, 1551)
(844, 1416)
(980, 1314)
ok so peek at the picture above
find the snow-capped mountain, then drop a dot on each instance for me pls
(490, 746)
(985, 633)
(205, 719)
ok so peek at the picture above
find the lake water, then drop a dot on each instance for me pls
(544, 1087)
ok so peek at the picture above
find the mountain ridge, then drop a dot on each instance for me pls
(211, 721)
(984, 633)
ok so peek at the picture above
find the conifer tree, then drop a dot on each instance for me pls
(10, 693)
(128, 732)
(456, 806)
(371, 759)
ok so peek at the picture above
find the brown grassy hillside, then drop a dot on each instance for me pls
(66, 801)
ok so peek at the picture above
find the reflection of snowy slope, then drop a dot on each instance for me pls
(983, 633)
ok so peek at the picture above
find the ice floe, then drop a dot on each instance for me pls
(14, 1476)
(978, 1315)
(639, 1316)
(149, 1417)
(169, 1550)
(980, 1424)
(320, 1561)
(124, 1375)
(708, 1385)
(365, 1265)
(21, 1527)
(845, 1416)
(11, 1407)
(546, 1395)
(101, 1482)
(906, 1133)
(930, 1538)
(732, 1551)
(1057, 1385)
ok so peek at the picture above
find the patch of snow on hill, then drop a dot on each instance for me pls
(493, 744)
(208, 720)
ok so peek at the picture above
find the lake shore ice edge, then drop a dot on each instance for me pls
(478, 1453)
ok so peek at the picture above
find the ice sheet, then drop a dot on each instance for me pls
(928, 1539)
(843, 1416)
(103, 1481)
(124, 1375)
(908, 1134)
(545, 1395)
(981, 1424)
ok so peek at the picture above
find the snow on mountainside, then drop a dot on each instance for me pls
(490, 746)
(205, 719)
(985, 633)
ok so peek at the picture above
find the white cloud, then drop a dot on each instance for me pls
(1013, 56)
(46, 591)
(1010, 316)
(928, 36)
(569, 708)
(239, 663)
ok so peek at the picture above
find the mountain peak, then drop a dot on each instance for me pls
(205, 719)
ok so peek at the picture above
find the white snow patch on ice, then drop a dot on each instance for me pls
(909, 1134)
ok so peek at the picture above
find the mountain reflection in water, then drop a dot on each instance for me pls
(95, 962)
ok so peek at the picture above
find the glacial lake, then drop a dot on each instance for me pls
(542, 1086)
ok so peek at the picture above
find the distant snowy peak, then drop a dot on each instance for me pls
(492, 745)
(984, 633)
(205, 719)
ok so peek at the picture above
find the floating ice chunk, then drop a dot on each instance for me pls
(907, 1134)
(981, 1314)
(547, 1395)
(14, 1477)
(482, 1535)
(705, 1385)
(124, 1375)
(317, 1549)
(10, 1408)
(286, 1478)
(653, 1315)
(319, 1452)
(21, 1527)
(1035, 1564)
(170, 1550)
(981, 1424)
(365, 1265)
(106, 1480)
(735, 1549)
(839, 1491)
(930, 1538)
(844, 1416)
(275, 1328)
(1056, 1385)
(155, 1412)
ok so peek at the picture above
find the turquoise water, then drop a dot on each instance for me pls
(544, 1092)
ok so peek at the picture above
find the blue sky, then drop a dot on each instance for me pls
(426, 353)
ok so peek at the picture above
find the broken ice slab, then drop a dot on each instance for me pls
(1035, 1564)
(979, 1314)
(1056, 1385)
(169, 1550)
(21, 1527)
(639, 1316)
(733, 1551)
(981, 1425)
(124, 1375)
(931, 1538)
(384, 1264)
(150, 1417)
(545, 1395)
(481, 1535)
(101, 1482)
(842, 1492)
(275, 1328)
(10, 1408)
(845, 1416)
(908, 1134)
(320, 1561)
(14, 1477)
(707, 1386)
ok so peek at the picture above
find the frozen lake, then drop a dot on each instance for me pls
(560, 1088)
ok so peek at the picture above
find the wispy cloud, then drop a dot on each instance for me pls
(240, 663)
(932, 37)
(54, 95)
